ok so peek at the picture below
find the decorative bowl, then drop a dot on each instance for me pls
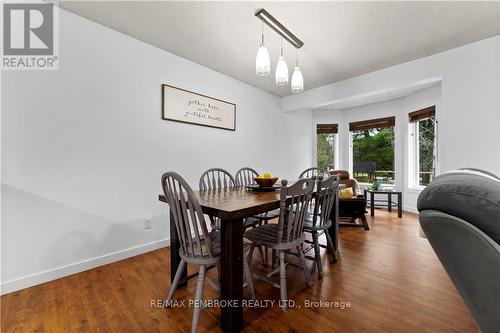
(265, 182)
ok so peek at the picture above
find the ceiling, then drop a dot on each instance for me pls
(342, 39)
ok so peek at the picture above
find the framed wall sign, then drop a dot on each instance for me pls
(189, 107)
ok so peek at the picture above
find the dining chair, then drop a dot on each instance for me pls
(267, 216)
(287, 234)
(319, 221)
(220, 179)
(198, 246)
(309, 173)
(245, 176)
(216, 178)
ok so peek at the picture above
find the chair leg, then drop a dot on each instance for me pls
(317, 255)
(175, 283)
(197, 298)
(283, 293)
(273, 258)
(262, 255)
(248, 277)
(304, 267)
(250, 254)
(214, 223)
(365, 222)
(331, 248)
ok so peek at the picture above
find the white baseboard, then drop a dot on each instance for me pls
(80, 266)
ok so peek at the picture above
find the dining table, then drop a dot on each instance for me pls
(232, 206)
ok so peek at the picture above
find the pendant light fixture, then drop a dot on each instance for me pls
(297, 79)
(281, 69)
(262, 61)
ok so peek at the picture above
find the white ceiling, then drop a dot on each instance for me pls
(342, 39)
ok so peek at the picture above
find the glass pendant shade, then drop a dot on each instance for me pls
(281, 72)
(262, 61)
(297, 81)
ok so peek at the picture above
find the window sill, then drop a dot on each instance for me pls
(416, 189)
(363, 185)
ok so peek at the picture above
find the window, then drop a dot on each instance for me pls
(373, 150)
(423, 131)
(325, 146)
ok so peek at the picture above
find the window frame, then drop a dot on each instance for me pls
(390, 123)
(327, 128)
(335, 150)
(414, 153)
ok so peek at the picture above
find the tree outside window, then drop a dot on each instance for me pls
(426, 133)
(325, 151)
(423, 131)
(373, 155)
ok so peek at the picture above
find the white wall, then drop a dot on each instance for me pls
(470, 99)
(83, 149)
(397, 107)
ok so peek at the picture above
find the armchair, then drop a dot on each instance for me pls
(354, 208)
(460, 216)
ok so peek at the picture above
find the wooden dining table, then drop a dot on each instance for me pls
(232, 206)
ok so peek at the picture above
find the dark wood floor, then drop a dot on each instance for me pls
(390, 276)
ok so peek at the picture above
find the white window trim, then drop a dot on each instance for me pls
(413, 185)
(413, 156)
(416, 189)
(336, 152)
(351, 163)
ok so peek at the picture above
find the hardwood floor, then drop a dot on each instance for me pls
(389, 275)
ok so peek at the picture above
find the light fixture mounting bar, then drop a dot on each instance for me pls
(274, 24)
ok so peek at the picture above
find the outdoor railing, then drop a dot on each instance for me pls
(383, 176)
(388, 177)
(425, 177)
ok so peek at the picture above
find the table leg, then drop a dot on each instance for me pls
(333, 231)
(389, 202)
(175, 258)
(400, 204)
(231, 284)
(372, 204)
